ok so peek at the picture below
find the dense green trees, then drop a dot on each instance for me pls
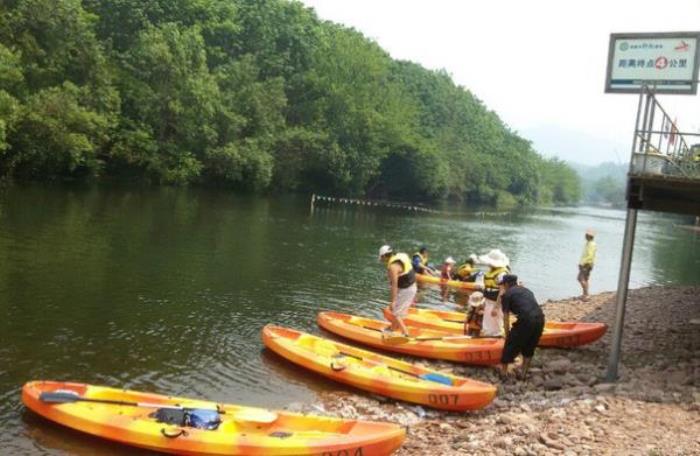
(255, 94)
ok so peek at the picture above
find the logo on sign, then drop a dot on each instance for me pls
(682, 46)
(624, 46)
(661, 63)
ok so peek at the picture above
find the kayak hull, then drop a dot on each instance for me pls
(477, 351)
(377, 373)
(556, 334)
(457, 284)
(238, 434)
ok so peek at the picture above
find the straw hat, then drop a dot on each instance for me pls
(450, 260)
(495, 258)
(590, 232)
(476, 299)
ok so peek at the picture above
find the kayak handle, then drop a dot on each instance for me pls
(337, 368)
(173, 435)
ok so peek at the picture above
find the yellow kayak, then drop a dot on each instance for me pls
(139, 419)
(560, 334)
(458, 284)
(425, 343)
(376, 373)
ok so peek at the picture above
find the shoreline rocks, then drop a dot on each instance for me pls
(565, 407)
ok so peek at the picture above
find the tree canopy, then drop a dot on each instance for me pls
(259, 95)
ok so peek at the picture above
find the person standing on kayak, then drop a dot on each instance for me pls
(525, 334)
(402, 281)
(585, 265)
(498, 264)
(420, 262)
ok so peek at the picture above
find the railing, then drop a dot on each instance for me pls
(660, 147)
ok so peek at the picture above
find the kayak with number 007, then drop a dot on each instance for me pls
(561, 334)
(424, 343)
(458, 284)
(377, 373)
(128, 417)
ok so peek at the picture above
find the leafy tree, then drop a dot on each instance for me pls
(255, 94)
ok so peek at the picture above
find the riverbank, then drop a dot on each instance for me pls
(564, 408)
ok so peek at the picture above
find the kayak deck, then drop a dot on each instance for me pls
(442, 345)
(458, 284)
(243, 430)
(377, 373)
(562, 334)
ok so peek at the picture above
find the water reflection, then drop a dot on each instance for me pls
(165, 290)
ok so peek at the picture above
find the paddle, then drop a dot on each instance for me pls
(430, 376)
(65, 397)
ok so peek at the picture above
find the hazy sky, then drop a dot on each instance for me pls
(539, 64)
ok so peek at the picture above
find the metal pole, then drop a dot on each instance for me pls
(626, 260)
(621, 298)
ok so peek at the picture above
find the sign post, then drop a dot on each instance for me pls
(645, 63)
(666, 62)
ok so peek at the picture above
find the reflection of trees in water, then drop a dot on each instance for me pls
(676, 257)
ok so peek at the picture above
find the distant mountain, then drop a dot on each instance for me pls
(603, 183)
(576, 146)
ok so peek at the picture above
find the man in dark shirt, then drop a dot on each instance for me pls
(527, 330)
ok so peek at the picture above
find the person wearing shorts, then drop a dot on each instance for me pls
(402, 282)
(585, 264)
(523, 337)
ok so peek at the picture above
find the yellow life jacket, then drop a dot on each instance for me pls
(408, 275)
(465, 270)
(423, 259)
(491, 289)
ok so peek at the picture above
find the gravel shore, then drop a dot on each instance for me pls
(564, 407)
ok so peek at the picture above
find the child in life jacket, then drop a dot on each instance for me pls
(475, 314)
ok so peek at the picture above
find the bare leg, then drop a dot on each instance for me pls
(525, 368)
(401, 325)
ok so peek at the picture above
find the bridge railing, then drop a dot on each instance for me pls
(660, 146)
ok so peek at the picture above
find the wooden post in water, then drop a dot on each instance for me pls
(313, 200)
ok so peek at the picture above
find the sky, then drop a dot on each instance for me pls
(539, 64)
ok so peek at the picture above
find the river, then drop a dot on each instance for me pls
(165, 289)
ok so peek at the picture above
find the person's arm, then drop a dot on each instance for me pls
(417, 265)
(504, 300)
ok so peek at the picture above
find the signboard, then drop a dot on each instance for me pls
(667, 62)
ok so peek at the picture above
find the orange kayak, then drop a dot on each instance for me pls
(425, 278)
(127, 417)
(376, 373)
(556, 334)
(424, 343)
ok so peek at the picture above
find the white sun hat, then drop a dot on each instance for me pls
(450, 260)
(476, 299)
(495, 258)
(383, 250)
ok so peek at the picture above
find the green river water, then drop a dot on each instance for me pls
(166, 290)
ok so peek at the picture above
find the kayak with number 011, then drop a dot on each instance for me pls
(152, 421)
(377, 373)
(424, 343)
(560, 334)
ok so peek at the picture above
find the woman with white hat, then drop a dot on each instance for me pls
(498, 264)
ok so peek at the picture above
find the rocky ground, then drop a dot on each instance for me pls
(564, 407)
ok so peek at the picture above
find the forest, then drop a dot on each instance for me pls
(255, 95)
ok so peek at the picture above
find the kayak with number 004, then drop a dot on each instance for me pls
(128, 417)
(424, 343)
(560, 334)
(377, 373)
(458, 284)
